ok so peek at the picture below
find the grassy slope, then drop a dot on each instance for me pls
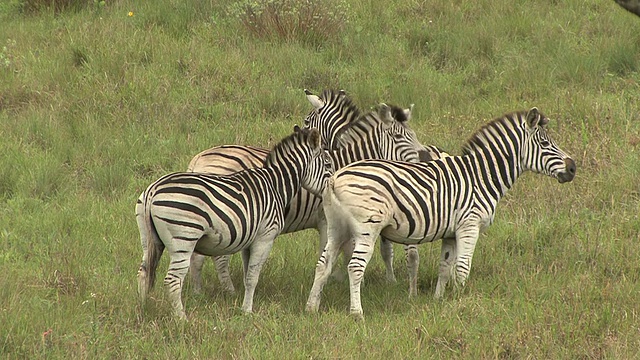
(95, 105)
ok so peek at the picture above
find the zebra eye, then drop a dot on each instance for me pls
(545, 143)
(398, 137)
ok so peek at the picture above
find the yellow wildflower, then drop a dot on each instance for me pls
(130, 13)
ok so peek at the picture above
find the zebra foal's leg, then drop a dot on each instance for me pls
(362, 253)
(386, 250)
(447, 260)
(413, 261)
(253, 259)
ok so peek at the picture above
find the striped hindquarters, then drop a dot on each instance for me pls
(411, 202)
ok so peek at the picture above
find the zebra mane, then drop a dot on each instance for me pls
(398, 113)
(362, 124)
(480, 140)
(342, 101)
(283, 149)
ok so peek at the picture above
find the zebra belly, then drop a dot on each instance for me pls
(402, 236)
(213, 243)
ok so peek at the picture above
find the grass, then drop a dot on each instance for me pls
(96, 104)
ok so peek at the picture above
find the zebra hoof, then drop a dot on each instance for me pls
(358, 316)
(312, 308)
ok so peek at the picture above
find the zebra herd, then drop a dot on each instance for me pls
(352, 176)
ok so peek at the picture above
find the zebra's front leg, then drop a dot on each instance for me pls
(224, 275)
(447, 260)
(465, 246)
(254, 258)
(413, 261)
(386, 251)
(361, 255)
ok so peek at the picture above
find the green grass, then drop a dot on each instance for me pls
(96, 104)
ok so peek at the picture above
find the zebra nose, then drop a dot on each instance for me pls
(570, 165)
(569, 171)
(424, 156)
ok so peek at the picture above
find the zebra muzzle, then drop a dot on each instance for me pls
(569, 171)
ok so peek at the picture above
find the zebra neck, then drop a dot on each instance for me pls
(285, 180)
(495, 171)
(356, 149)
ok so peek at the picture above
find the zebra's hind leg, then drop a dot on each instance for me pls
(386, 250)
(447, 260)
(180, 258)
(195, 271)
(361, 255)
(224, 275)
(323, 268)
(253, 260)
(413, 261)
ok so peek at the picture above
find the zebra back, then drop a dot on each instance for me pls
(228, 159)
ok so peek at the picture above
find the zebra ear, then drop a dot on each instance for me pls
(315, 101)
(296, 128)
(314, 138)
(384, 111)
(407, 112)
(535, 118)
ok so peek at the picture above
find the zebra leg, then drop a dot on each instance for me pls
(180, 258)
(413, 261)
(323, 270)
(466, 244)
(224, 276)
(362, 253)
(386, 250)
(195, 271)
(447, 259)
(257, 255)
(339, 273)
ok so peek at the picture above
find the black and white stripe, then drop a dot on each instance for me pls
(453, 198)
(332, 112)
(219, 215)
(382, 134)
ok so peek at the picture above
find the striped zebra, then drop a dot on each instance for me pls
(382, 134)
(453, 199)
(332, 112)
(218, 215)
(412, 256)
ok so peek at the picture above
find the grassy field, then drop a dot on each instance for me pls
(97, 101)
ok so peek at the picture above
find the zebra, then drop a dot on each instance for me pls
(453, 199)
(332, 112)
(374, 135)
(216, 215)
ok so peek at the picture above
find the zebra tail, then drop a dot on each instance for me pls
(153, 249)
(327, 197)
(337, 220)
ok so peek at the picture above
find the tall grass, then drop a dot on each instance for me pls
(96, 104)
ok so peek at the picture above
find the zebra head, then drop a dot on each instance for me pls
(540, 152)
(402, 142)
(331, 112)
(320, 168)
